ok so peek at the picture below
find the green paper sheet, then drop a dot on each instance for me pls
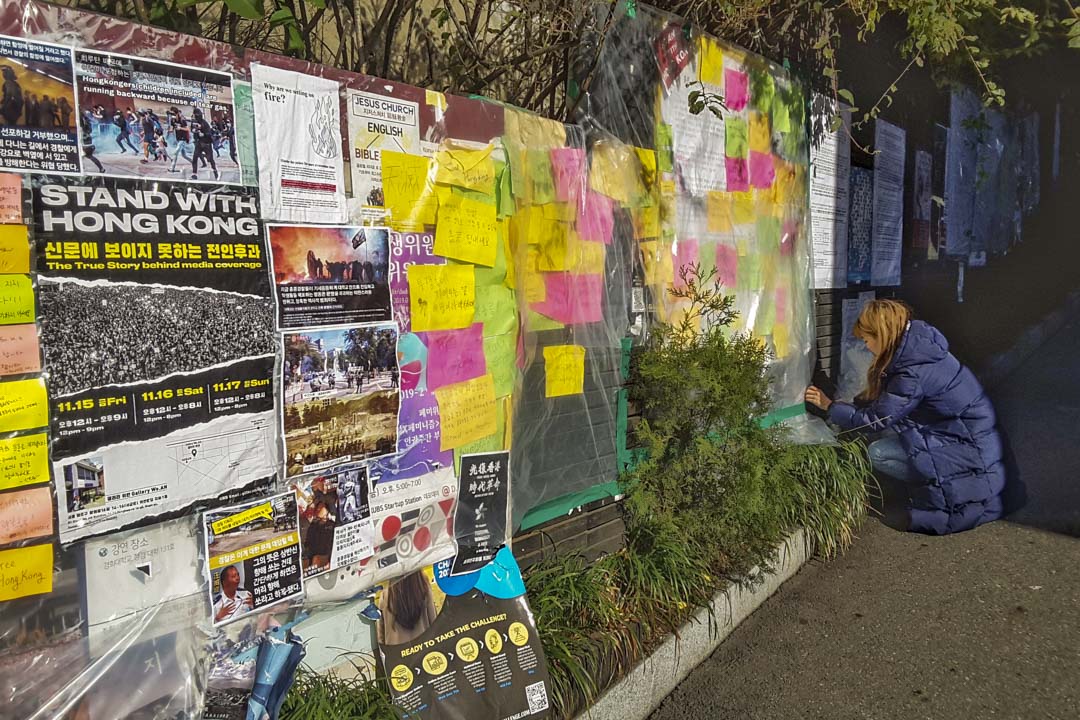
(736, 142)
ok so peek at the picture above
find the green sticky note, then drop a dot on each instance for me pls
(486, 198)
(664, 143)
(736, 141)
(16, 299)
(748, 278)
(762, 90)
(543, 183)
(768, 233)
(537, 322)
(766, 317)
(500, 353)
(496, 308)
(497, 273)
(504, 191)
(781, 115)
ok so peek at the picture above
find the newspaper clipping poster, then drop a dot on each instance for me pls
(152, 119)
(157, 333)
(38, 119)
(253, 556)
(298, 133)
(326, 276)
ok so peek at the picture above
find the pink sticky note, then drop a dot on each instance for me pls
(736, 90)
(738, 177)
(572, 299)
(781, 303)
(787, 239)
(595, 220)
(762, 172)
(685, 255)
(568, 168)
(19, 352)
(455, 355)
(10, 198)
(727, 265)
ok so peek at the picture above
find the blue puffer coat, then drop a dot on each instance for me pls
(947, 426)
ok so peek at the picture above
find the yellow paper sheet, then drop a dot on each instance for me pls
(744, 207)
(608, 174)
(564, 370)
(23, 405)
(647, 158)
(467, 411)
(441, 297)
(659, 264)
(467, 168)
(719, 209)
(466, 229)
(760, 139)
(26, 571)
(529, 130)
(24, 460)
(647, 222)
(407, 192)
(584, 257)
(781, 340)
(710, 61)
(16, 299)
(14, 249)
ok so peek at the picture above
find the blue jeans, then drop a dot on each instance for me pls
(889, 458)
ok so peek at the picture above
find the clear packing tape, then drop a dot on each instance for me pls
(522, 252)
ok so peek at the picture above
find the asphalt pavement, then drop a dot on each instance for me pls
(983, 624)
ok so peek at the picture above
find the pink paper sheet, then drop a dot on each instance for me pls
(455, 355)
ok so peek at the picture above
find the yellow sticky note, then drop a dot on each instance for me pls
(24, 460)
(16, 299)
(14, 249)
(407, 192)
(467, 168)
(26, 571)
(718, 207)
(584, 257)
(530, 130)
(760, 138)
(710, 61)
(560, 211)
(435, 99)
(553, 251)
(466, 229)
(564, 370)
(611, 172)
(23, 405)
(647, 222)
(467, 411)
(659, 264)
(744, 207)
(441, 297)
(781, 340)
(647, 158)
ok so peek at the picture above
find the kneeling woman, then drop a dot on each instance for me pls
(941, 441)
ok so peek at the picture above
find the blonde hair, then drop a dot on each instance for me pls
(885, 321)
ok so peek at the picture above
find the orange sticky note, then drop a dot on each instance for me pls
(14, 249)
(19, 352)
(467, 411)
(26, 514)
(10, 198)
(26, 571)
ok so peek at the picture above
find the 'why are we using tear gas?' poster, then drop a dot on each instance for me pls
(326, 276)
(38, 122)
(340, 396)
(298, 132)
(252, 556)
(157, 332)
(152, 119)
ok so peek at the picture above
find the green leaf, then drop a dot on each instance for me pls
(281, 16)
(250, 9)
(294, 41)
(317, 4)
(846, 95)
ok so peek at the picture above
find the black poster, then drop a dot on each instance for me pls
(480, 525)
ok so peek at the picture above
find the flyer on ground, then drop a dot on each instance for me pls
(38, 114)
(252, 556)
(335, 519)
(340, 396)
(152, 119)
(327, 276)
(157, 330)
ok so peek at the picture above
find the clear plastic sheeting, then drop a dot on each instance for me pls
(717, 141)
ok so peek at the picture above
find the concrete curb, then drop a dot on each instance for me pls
(637, 695)
(1003, 364)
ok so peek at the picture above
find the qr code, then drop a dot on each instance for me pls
(537, 695)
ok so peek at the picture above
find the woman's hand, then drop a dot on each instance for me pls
(816, 397)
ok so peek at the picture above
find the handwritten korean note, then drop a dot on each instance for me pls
(16, 299)
(564, 370)
(14, 249)
(407, 192)
(467, 411)
(441, 297)
(26, 514)
(10, 198)
(26, 571)
(455, 356)
(24, 460)
(466, 230)
(23, 405)
(19, 351)
(467, 168)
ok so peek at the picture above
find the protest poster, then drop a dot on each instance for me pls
(377, 123)
(154, 119)
(38, 114)
(298, 134)
(252, 556)
(407, 249)
(335, 519)
(888, 204)
(326, 276)
(459, 654)
(157, 332)
(830, 168)
(340, 396)
(481, 525)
